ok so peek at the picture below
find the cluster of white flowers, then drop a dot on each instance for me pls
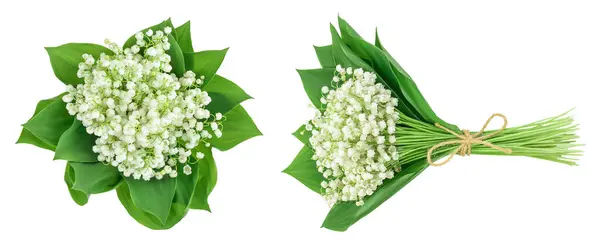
(353, 138)
(146, 119)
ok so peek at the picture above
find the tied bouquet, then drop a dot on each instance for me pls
(374, 132)
(143, 119)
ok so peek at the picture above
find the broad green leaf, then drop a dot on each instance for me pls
(347, 58)
(205, 63)
(179, 207)
(355, 61)
(347, 31)
(207, 180)
(325, 56)
(94, 178)
(81, 198)
(397, 81)
(76, 144)
(369, 53)
(393, 61)
(181, 200)
(304, 169)
(50, 123)
(343, 55)
(314, 80)
(384, 71)
(184, 37)
(44, 103)
(177, 58)
(186, 184)
(65, 59)
(176, 213)
(303, 135)
(28, 137)
(343, 215)
(237, 127)
(225, 95)
(154, 196)
(160, 26)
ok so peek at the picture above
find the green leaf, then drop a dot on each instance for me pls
(304, 169)
(303, 135)
(397, 81)
(50, 123)
(184, 37)
(28, 137)
(314, 80)
(65, 59)
(160, 26)
(205, 63)
(343, 215)
(94, 178)
(184, 191)
(207, 180)
(385, 74)
(154, 196)
(347, 58)
(394, 63)
(76, 144)
(343, 55)
(325, 56)
(237, 127)
(177, 58)
(176, 213)
(81, 198)
(225, 95)
(186, 184)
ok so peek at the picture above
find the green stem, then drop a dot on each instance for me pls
(552, 139)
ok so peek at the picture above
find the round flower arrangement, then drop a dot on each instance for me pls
(374, 132)
(141, 118)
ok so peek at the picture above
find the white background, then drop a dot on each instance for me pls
(526, 59)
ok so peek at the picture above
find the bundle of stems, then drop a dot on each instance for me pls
(552, 139)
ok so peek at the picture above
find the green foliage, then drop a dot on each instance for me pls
(179, 205)
(184, 37)
(66, 58)
(325, 56)
(315, 79)
(176, 212)
(302, 135)
(205, 63)
(238, 127)
(343, 215)
(225, 95)
(177, 58)
(207, 180)
(154, 196)
(304, 169)
(79, 197)
(94, 178)
(402, 84)
(76, 144)
(50, 123)
(28, 137)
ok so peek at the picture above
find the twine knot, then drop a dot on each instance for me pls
(466, 140)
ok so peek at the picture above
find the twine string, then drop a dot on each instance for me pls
(466, 140)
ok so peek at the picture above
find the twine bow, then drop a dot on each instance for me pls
(467, 140)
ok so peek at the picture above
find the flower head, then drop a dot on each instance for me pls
(353, 138)
(146, 118)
